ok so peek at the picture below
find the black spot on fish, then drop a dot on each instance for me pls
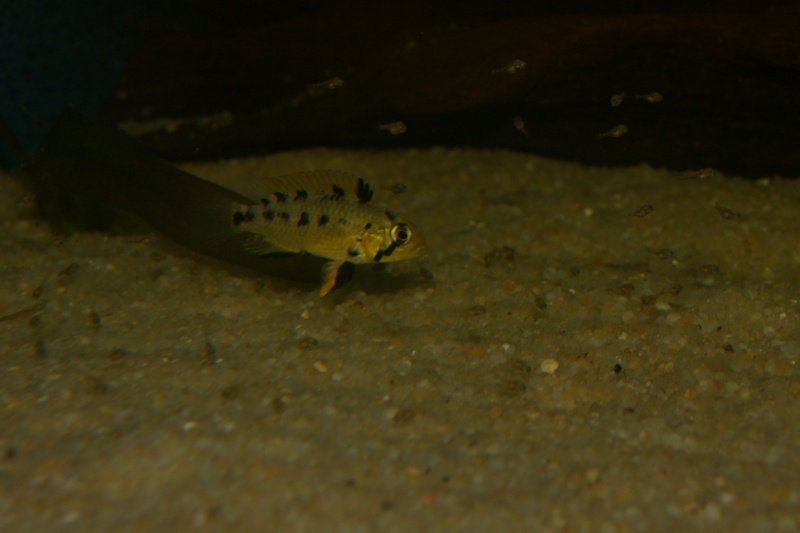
(385, 253)
(338, 192)
(391, 216)
(239, 217)
(281, 197)
(285, 216)
(302, 194)
(353, 252)
(363, 192)
(269, 214)
(342, 220)
(322, 220)
(265, 202)
(304, 219)
(368, 225)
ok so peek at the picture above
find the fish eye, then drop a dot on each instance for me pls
(400, 234)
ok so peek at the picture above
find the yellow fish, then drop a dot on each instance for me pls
(86, 169)
(326, 214)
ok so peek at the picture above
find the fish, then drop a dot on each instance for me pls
(615, 132)
(395, 128)
(653, 97)
(323, 220)
(511, 68)
(330, 84)
(327, 214)
(519, 124)
(702, 174)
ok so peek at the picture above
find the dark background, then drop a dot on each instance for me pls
(234, 76)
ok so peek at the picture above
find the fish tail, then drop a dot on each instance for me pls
(86, 171)
(7, 136)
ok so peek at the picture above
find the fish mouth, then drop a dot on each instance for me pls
(417, 246)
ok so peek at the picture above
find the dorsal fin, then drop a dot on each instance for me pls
(316, 184)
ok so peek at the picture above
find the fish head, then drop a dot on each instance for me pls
(396, 242)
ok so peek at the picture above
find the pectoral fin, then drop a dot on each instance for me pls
(335, 274)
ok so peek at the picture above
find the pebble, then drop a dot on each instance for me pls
(550, 366)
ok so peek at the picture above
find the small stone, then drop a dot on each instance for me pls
(307, 343)
(403, 416)
(508, 348)
(413, 471)
(550, 366)
(320, 366)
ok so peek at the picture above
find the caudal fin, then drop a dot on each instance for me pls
(87, 170)
(10, 140)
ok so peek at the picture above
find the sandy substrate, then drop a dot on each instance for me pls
(583, 349)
